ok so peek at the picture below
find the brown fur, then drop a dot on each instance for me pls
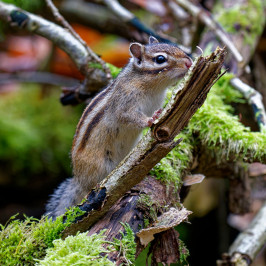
(112, 123)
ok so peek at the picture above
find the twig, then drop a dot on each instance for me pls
(38, 77)
(126, 16)
(185, 26)
(91, 55)
(156, 144)
(98, 17)
(255, 100)
(206, 18)
(16, 17)
(248, 243)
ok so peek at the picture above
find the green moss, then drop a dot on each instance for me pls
(114, 70)
(127, 245)
(216, 128)
(149, 209)
(184, 252)
(21, 242)
(170, 169)
(77, 250)
(221, 132)
(247, 17)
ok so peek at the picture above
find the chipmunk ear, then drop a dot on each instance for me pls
(153, 40)
(136, 50)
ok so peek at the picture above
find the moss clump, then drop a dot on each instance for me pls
(250, 19)
(170, 169)
(77, 250)
(114, 70)
(21, 242)
(127, 245)
(221, 132)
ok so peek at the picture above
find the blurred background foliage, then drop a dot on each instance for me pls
(35, 141)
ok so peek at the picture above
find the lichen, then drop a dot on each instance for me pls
(250, 19)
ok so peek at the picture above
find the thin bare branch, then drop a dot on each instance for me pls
(118, 9)
(206, 18)
(128, 17)
(255, 100)
(91, 55)
(248, 243)
(14, 16)
(38, 77)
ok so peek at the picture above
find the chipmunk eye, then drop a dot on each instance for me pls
(160, 59)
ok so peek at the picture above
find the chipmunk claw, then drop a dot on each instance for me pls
(154, 117)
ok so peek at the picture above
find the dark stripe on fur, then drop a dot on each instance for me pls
(88, 109)
(95, 120)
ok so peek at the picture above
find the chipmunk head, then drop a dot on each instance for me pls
(163, 61)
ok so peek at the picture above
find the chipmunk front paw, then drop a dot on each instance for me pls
(154, 117)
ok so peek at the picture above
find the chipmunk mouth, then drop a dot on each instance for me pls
(181, 75)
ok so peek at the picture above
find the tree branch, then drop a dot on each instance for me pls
(14, 16)
(205, 17)
(129, 18)
(248, 244)
(255, 100)
(65, 24)
(38, 77)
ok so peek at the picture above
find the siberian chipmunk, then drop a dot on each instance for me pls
(113, 121)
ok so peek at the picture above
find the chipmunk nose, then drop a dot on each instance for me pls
(188, 62)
